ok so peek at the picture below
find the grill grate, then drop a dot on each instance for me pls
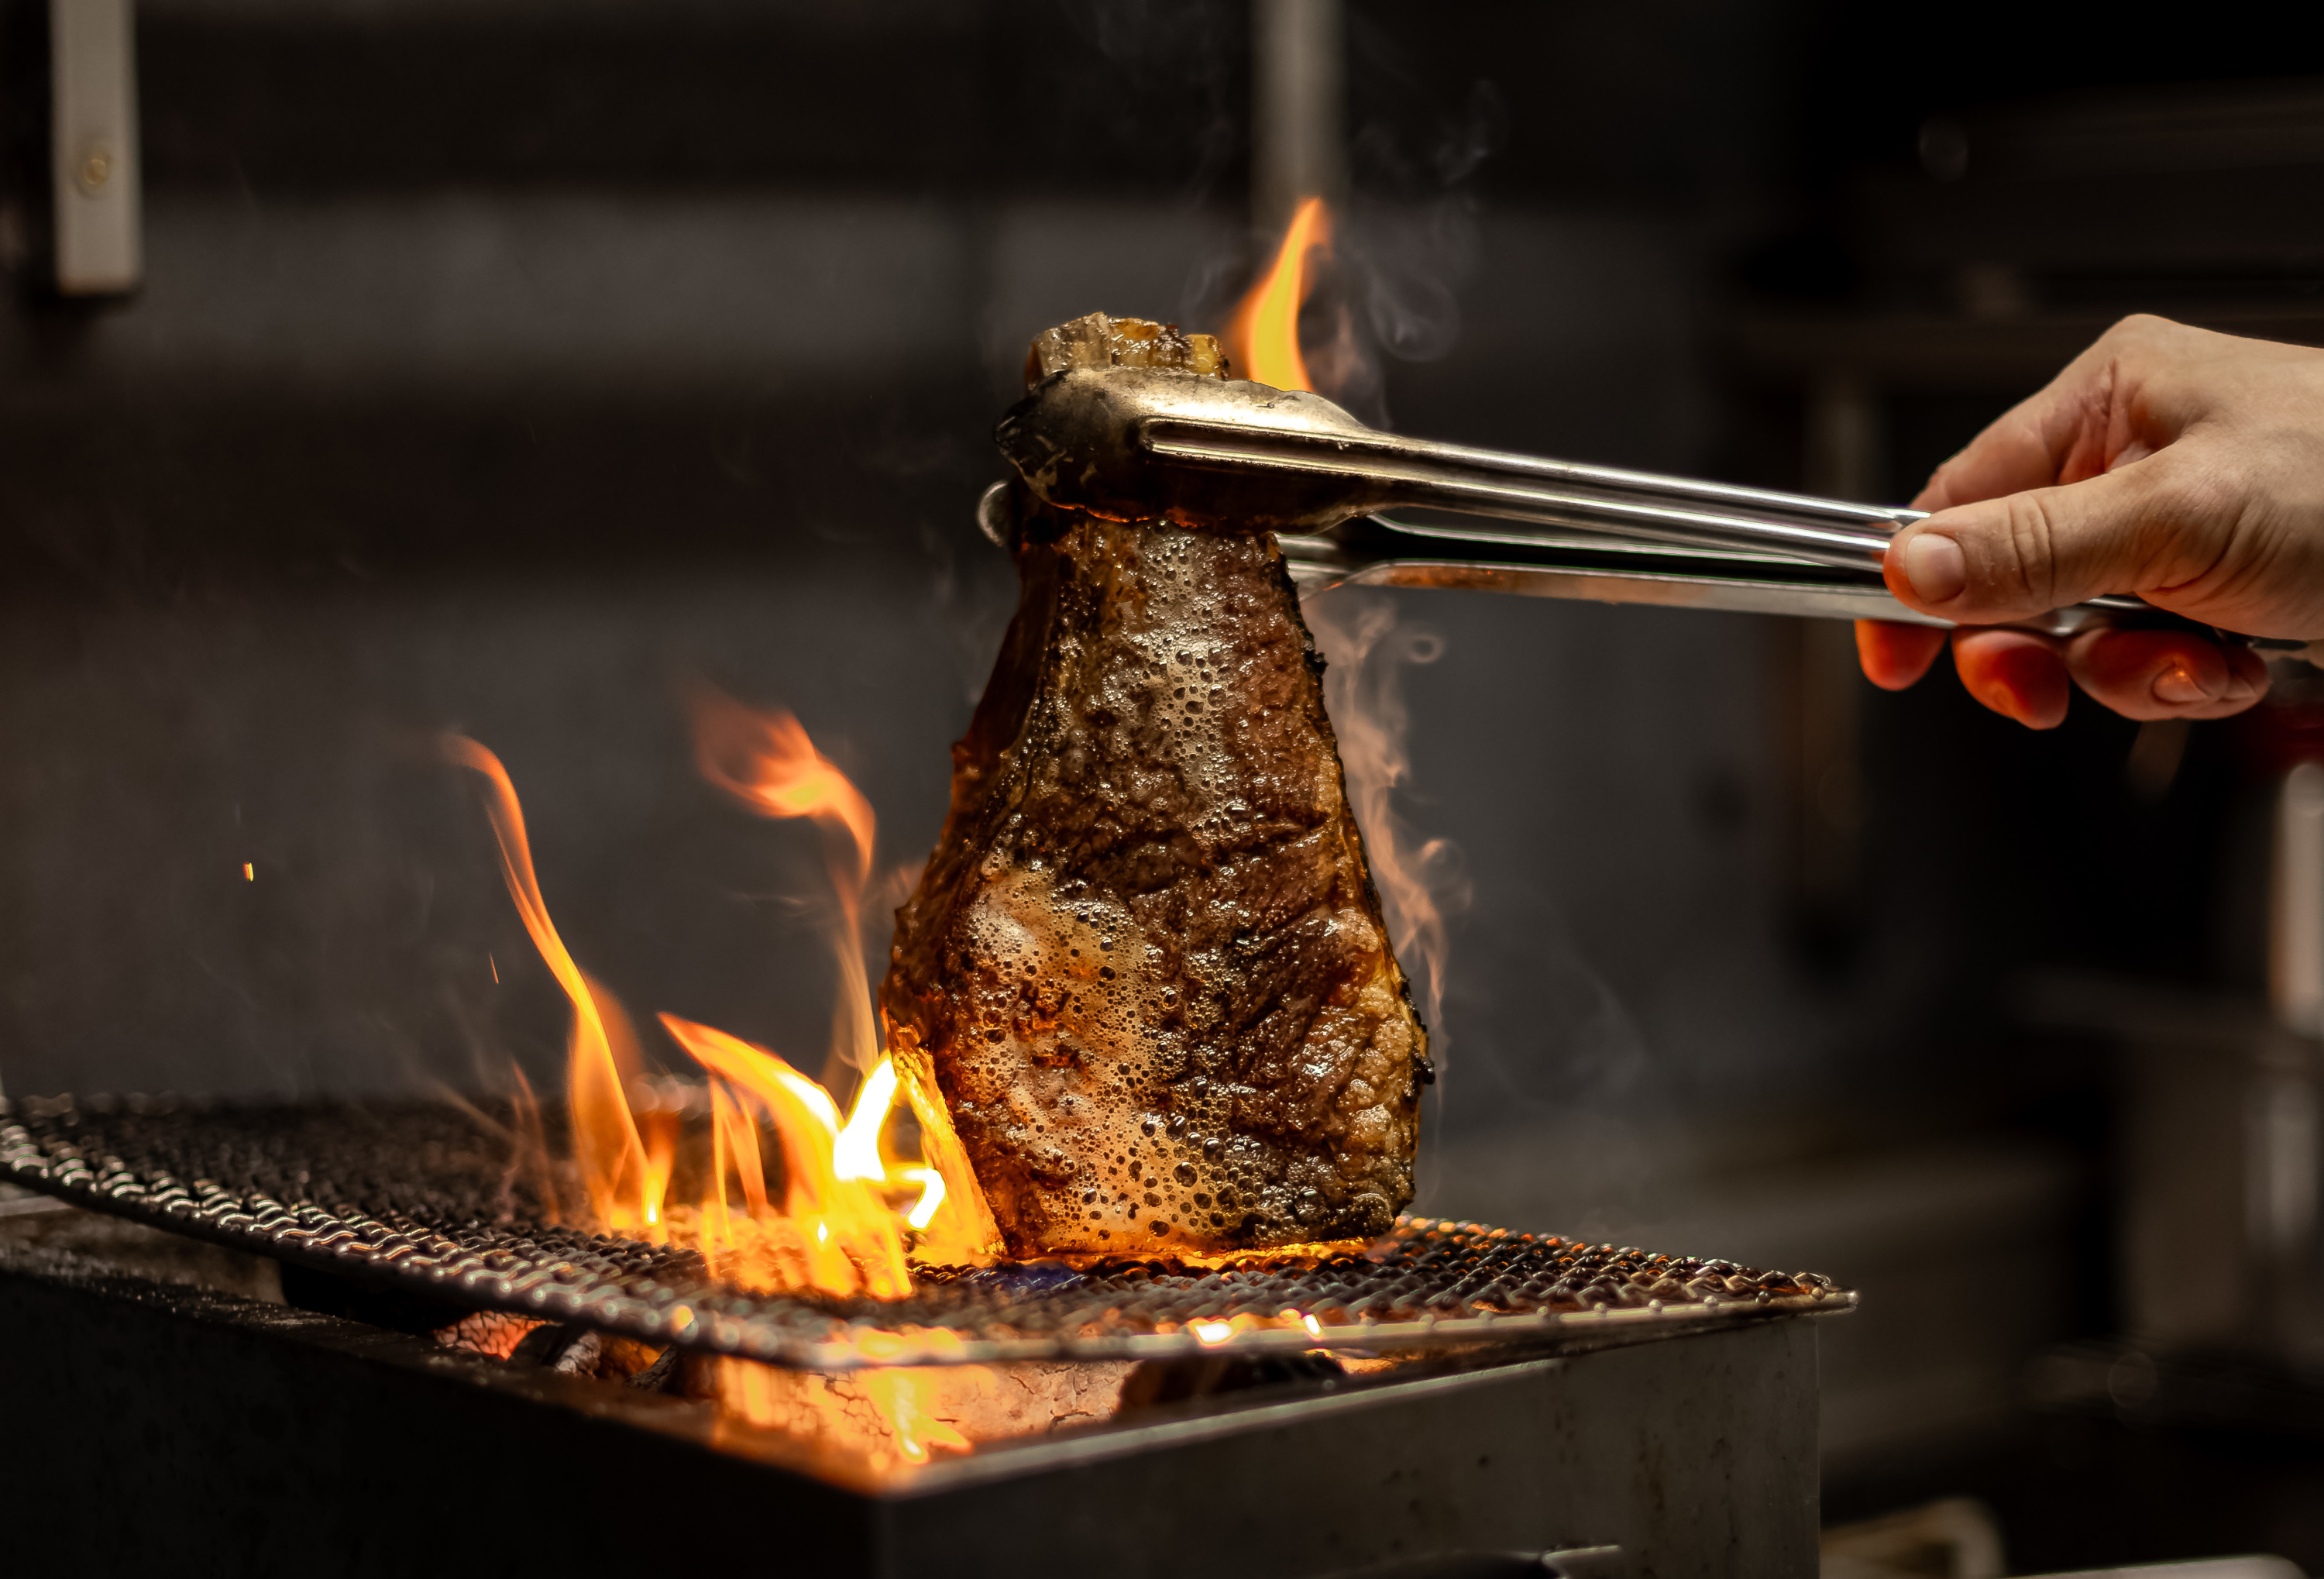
(425, 1199)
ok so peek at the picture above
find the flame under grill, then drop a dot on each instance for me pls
(425, 1199)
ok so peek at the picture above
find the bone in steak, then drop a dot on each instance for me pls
(1146, 969)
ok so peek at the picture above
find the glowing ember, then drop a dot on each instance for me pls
(896, 1418)
(891, 1418)
(1263, 336)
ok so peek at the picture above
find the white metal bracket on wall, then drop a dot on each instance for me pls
(92, 156)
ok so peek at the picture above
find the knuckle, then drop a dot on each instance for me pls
(2144, 331)
(2179, 533)
(2023, 550)
(2180, 497)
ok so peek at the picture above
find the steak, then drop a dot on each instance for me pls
(1146, 969)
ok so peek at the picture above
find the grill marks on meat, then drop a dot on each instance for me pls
(1146, 969)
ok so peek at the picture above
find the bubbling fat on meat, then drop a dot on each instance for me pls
(1146, 967)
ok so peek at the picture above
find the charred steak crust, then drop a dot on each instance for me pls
(1145, 967)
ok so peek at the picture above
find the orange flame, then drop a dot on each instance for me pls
(889, 1417)
(955, 1223)
(847, 1207)
(766, 762)
(834, 1232)
(1263, 336)
(600, 1054)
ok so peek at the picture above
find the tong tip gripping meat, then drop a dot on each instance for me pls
(1100, 440)
(1164, 444)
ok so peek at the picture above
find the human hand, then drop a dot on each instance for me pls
(2181, 465)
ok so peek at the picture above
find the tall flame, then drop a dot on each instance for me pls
(1263, 336)
(600, 1052)
(766, 762)
(846, 1209)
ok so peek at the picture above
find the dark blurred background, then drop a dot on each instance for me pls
(508, 365)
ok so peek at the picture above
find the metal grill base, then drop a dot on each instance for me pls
(170, 1430)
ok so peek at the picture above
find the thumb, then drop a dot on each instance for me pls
(2024, 554)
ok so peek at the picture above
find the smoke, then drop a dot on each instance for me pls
(969, 600)
(1404, 241)
(1420, 883)
(1410, 236)
(1409, 262)
(1547, 1035)
(1162, 76)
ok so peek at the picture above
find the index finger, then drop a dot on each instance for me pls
(2058, 434)
(2018, 450)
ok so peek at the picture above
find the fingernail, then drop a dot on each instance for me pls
(2177, 687)
(2004, 700)
(1934, 566)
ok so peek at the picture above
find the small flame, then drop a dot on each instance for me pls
(1263, 336)
(932, 1196)
(856, 1152)
(835, 1232)
(766, 761)
(1211, 1332)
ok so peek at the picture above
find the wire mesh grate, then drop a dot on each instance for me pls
(426, 1199)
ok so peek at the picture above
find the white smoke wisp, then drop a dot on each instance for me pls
(1421, 881)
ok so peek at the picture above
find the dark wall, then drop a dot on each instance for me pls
(502, 366)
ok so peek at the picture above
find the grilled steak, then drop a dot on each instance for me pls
(1145, 967)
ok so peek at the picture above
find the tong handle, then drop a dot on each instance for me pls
(1380, 551)
(1383, 551)
(1389, 471)
(1754, 530)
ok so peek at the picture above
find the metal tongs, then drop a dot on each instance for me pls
(1164, 444)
